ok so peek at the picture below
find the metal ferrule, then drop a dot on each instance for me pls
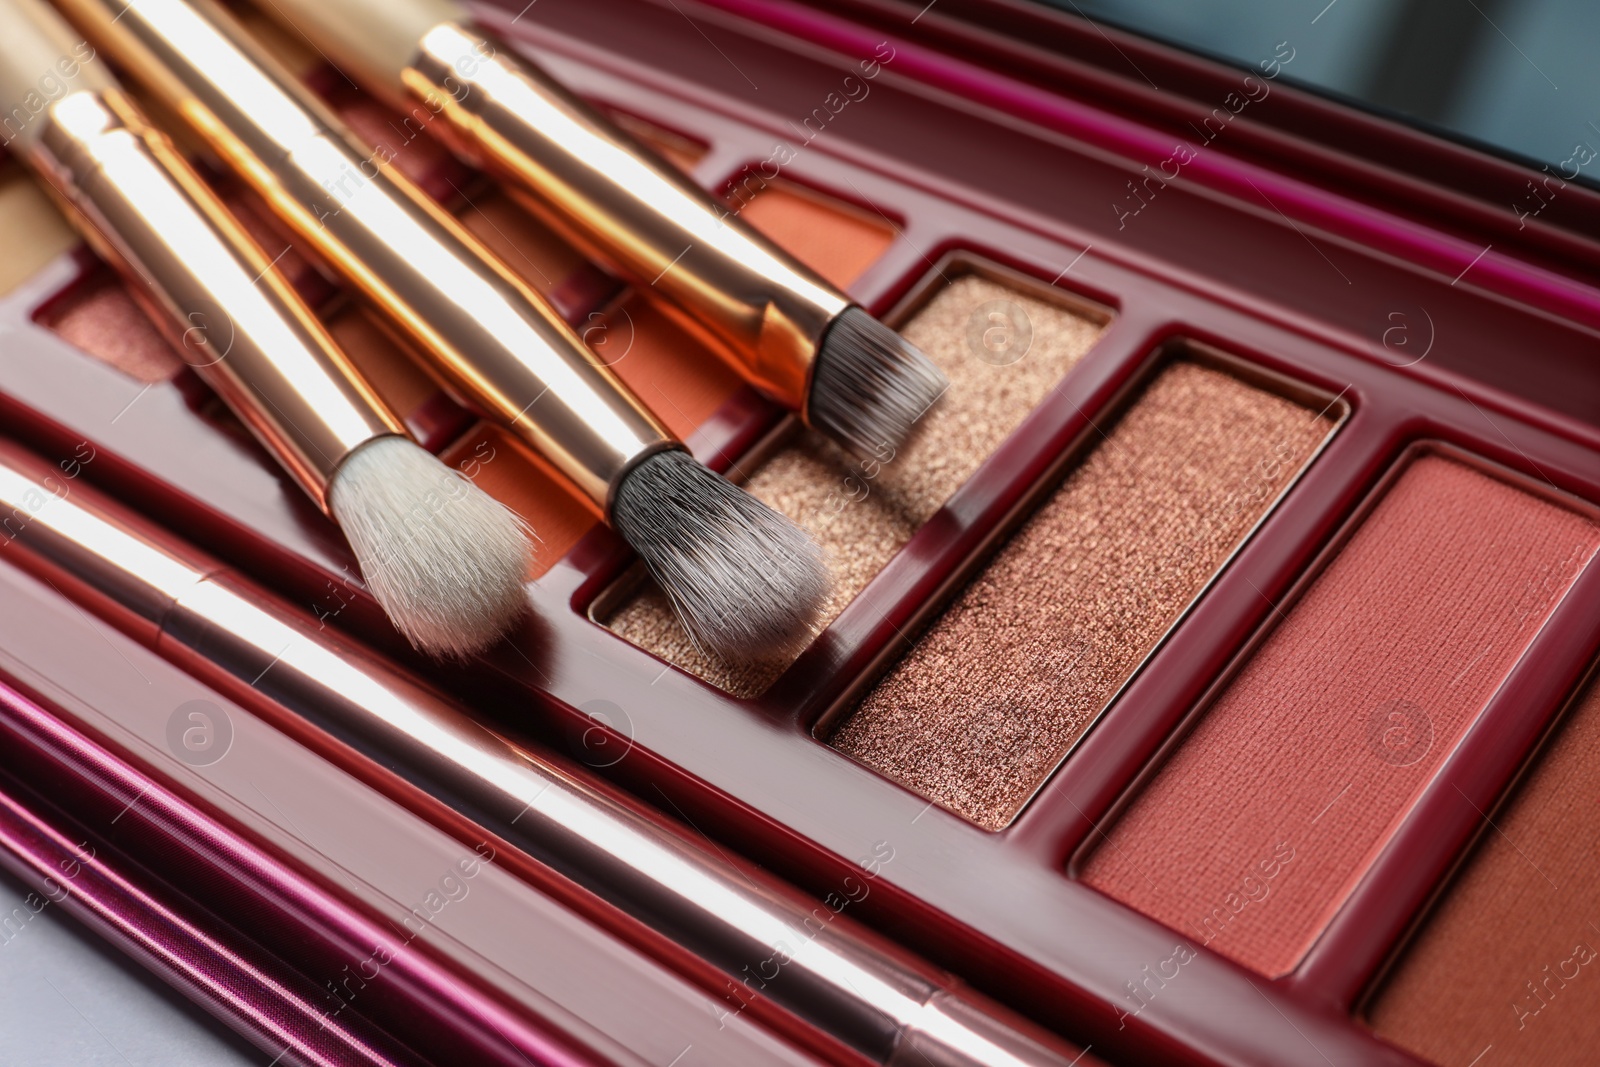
(208, 287)
(748, 300)
(494, 342)
(770, 941)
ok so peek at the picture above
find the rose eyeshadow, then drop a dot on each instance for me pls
(100, 317)
(989, 700)
(1511, 958)
(1319, 746)
(862, 515)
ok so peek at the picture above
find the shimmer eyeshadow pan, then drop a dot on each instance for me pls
(1213, 676)
(100, 317)
(862, 515)
(1511, 958)
(1313, 754)
(988, 702)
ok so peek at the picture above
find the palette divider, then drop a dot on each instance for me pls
(881, 624)
(1458, 804)
(1165, 698)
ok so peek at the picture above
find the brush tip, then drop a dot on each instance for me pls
(870, 385)
(446, 560)
(747, 583)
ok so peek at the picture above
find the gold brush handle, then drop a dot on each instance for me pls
(206, 284)
(209, 287)
(615, 199)
(618, 203)
(496, 343)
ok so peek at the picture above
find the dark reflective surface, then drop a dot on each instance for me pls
(1517, 76)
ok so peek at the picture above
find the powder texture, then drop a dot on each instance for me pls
(103, 320)
(1525, 910)
(984, 706)
(862, 514)
(1315, 752)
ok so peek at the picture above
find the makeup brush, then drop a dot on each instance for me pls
(444, 559)
(674, 895)
(746, 581)
(787, 330)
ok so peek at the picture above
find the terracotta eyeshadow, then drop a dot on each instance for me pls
(1256, 831)
(667, 368)
(397, 377)
(508, 470)
(861, 515)
(1511, 957)
(531, 249)
(834, 239)
(988, 701)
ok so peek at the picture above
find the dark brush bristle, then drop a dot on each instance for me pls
(870, 385)
(745, 580)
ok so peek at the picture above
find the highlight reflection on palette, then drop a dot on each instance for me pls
(1218, 677)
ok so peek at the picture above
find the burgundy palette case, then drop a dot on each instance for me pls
(1210, 680)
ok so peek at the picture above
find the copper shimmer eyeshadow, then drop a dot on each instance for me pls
(99, 317)
(816, 484)
(1316, 750)
(1511, 956)
(1028, 655)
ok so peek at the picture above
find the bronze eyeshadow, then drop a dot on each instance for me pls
(1027, 657)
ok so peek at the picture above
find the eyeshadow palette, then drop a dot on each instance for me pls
(1204, 680)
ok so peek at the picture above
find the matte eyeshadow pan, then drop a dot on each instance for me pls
(815, 483)
(1511, 958)
(834, 239)
(987, 702)
(1256, 831)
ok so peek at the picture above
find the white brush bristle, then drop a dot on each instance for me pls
(870, 386)
(746, 582)
(446, 560)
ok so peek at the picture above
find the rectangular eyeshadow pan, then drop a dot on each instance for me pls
(1511, 957)
(1257, 829)
(863, 514)
(1028, 655)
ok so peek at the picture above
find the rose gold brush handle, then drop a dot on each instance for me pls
(209, 287)
(615, 199)
(496, 343)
